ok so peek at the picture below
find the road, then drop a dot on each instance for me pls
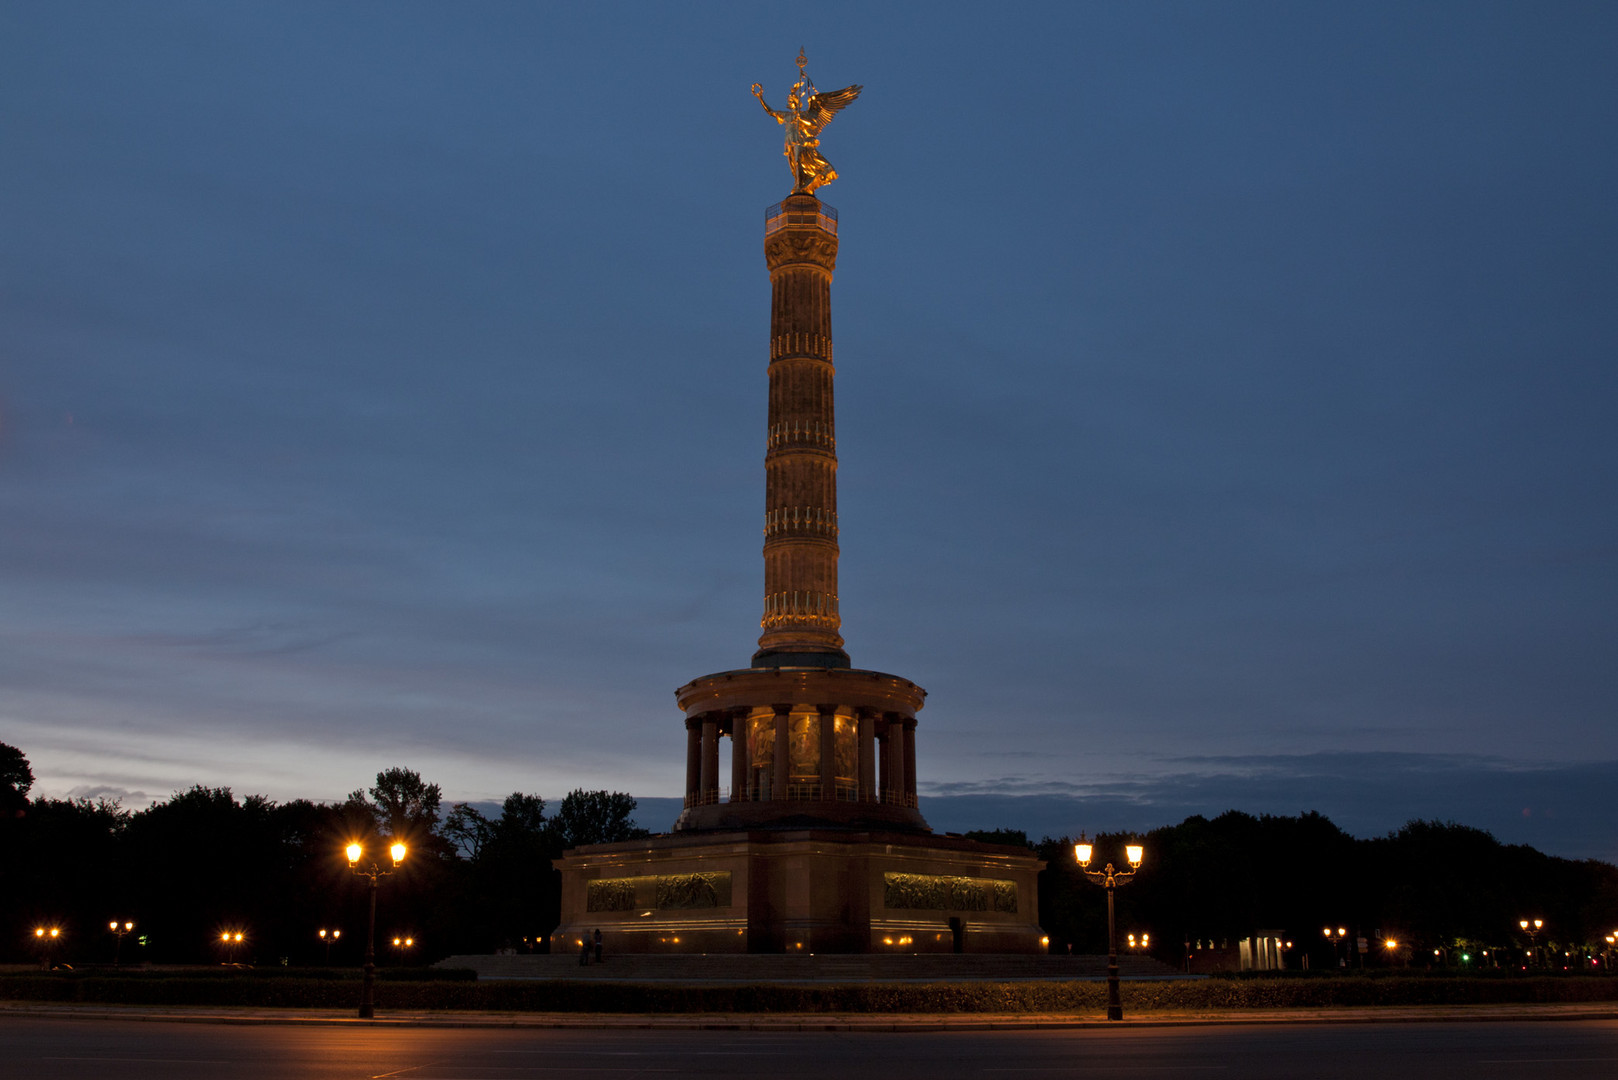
(50, 1048)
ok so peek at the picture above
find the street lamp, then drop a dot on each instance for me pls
(329, 938)
(119, 929)
(1338, 938)
(230, 939)
(1110, 879)
(1532, 929)
(46, 937)
(400, 944)
(355, 852)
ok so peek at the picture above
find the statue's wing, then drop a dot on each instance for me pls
(823, 108)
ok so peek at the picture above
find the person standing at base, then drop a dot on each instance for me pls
(584, 954)
(598, 946)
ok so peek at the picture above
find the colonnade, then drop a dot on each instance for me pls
(886, 757)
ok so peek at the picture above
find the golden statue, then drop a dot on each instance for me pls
(808, 112)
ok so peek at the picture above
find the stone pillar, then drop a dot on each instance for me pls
(783, 763)
(801, 620)
(867, 737)
(897, 778)
(910, 761)
(693, 760)
(710, 757)
(828, 752)
(739, 754)
(884, 768)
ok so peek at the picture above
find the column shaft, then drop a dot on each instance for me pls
(896, 743)
(828, 753)
(739, 764)
(867, 736)
(885, 761)
(910, 761)
(710, 757)
(783, 763)
(801, 620)
(693, 761)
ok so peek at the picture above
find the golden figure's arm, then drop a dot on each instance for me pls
(758, 92)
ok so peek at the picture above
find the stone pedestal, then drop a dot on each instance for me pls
(801, 890)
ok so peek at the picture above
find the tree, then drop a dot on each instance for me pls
(406, 804)
(468, 830)
(16, 778)
(596, 817)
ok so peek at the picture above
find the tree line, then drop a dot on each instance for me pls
(1430, 886)
(204, 863)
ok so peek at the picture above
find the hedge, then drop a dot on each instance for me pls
(969, 997)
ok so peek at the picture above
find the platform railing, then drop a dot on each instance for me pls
(777, 217)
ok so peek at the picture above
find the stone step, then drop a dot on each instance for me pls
(759, 967)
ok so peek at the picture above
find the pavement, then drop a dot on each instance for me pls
(1415, 1014)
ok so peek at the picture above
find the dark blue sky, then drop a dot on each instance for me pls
(1226, 397)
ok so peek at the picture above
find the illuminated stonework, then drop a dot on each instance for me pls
(812, 823)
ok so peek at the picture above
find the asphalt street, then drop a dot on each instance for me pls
(51, 1048)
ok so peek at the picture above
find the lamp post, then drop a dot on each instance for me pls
(400, 944)
(230, 939)
(1531, 927)
(1110, 879)
(329, 938)
(1337, 938)
(46, 937)
(119, 929)
(355, 852)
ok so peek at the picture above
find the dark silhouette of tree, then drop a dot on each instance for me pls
(596, 817)
(468, 830)
(203, 861)
(407, 806)
(16, 778)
